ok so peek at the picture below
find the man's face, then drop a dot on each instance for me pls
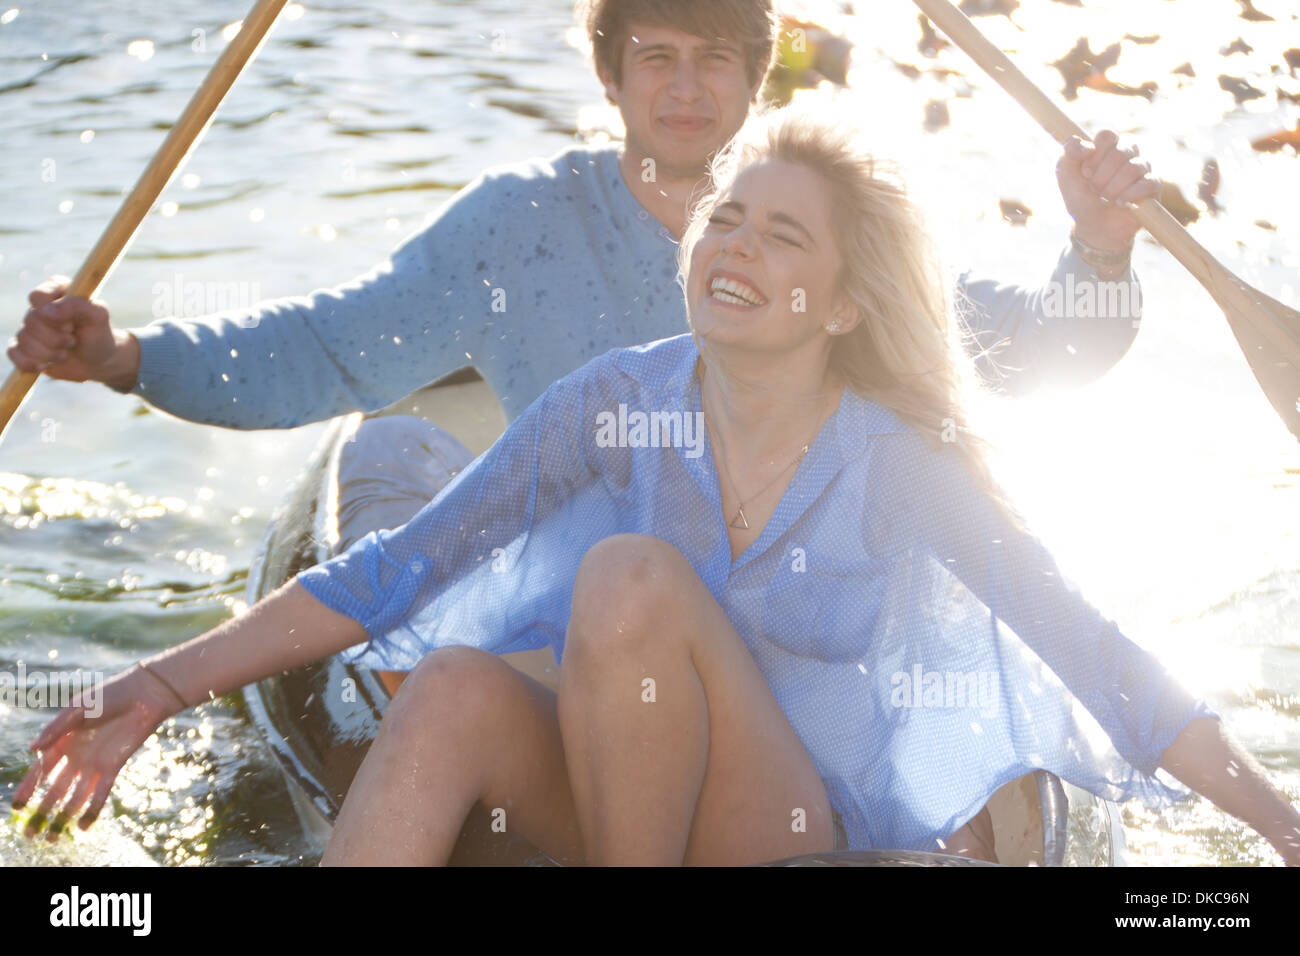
(682, 97)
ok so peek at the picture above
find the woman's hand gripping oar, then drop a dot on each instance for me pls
(1267, 331)
(180, 140)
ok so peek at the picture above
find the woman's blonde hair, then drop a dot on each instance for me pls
(907, 352)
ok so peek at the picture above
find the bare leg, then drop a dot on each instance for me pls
(464, 727)
(714, 775)
(975, 839)
(699, 765)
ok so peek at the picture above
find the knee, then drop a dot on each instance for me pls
(630, 575)
(451, 686)
(628, 585)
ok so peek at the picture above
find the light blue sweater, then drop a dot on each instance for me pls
(528, 273)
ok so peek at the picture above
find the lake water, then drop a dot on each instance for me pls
(1169, 490)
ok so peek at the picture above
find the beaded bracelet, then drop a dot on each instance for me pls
(148, 670)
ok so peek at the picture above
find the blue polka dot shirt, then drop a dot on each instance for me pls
(924, 649)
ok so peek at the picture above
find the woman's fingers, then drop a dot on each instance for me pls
(92, 781)
(47, 761)
(95, 748)
(59, 784)
(85, 784)
(102, 787)
(54, 743)
(69, 718)
(30, 782)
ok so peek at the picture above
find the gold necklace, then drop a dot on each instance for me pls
(739, 521)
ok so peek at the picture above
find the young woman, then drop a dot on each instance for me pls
(791, 610)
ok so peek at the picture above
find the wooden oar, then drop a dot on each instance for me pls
(180, 140)
(1267, 331)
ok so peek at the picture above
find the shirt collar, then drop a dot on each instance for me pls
(666, 372)
(856, 419)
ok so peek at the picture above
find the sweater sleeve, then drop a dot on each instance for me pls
(362, 345)
(1067, 332)
(480, 564)
(1135, 701)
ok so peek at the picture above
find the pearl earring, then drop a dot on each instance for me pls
(834, 327)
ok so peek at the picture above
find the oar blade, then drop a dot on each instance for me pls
(1256, 321)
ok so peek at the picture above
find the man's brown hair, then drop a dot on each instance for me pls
(750, 24)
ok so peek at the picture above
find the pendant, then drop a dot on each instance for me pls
(740, 517)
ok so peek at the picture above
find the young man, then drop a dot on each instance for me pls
(536, 268)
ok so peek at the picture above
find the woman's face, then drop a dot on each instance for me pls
(763, 274)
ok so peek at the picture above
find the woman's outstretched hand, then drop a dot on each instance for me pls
(95, 748)
(84, 747)
(1212, 762)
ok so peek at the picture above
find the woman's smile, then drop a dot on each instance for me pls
(734, 290)
(768, 237)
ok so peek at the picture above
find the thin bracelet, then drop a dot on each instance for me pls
(1100, 258)
(149, 670)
